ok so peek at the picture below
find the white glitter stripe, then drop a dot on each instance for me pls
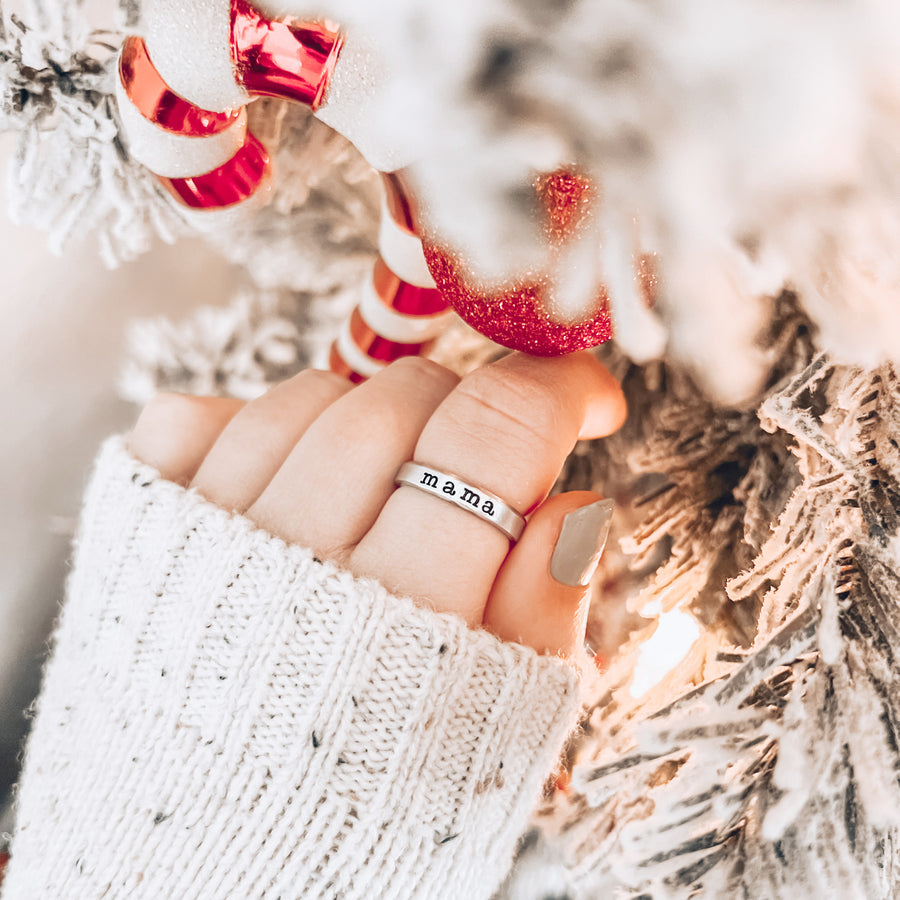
(354, 357)
(176, 155)
(396, 326)
(189, 43)
(402, 251)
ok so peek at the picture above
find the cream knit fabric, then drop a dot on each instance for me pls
(225, 716)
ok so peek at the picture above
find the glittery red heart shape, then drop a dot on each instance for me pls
(518, 316)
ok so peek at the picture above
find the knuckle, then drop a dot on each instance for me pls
(163, 406)
(323, 380)
(170, 400)
(286, 400)
(161, 435)
(418, 367)
(385, 417)
(513, 408)
(381, 419)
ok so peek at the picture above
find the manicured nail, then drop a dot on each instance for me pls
(581, 542)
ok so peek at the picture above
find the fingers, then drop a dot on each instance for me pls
(175, 431)
(256, 442)
(507, 429)
(541, 595)
(335, 481)
(313, 461)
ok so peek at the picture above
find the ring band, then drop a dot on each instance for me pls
(454, 490)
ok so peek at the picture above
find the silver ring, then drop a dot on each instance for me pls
(454, 490)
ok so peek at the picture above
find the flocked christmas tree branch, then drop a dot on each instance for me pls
(70, 172)
(765, 764)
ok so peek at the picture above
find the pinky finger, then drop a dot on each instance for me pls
(174, 432)
(541, 595)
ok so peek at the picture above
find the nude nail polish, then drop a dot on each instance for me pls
(580, 543)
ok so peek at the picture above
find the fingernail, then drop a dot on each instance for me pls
(581, 542)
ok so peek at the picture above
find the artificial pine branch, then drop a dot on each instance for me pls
(766, 764)
(70, 174)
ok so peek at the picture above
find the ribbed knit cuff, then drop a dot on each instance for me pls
(226, 716)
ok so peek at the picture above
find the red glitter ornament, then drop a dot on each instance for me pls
(519, 316)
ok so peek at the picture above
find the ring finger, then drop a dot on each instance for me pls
(506, 429)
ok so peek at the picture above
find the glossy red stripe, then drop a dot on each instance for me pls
(399, 201)
(231, 183)
(377, 347)
(288, 58)
(403, 297)
(341, 367)
(157, 103)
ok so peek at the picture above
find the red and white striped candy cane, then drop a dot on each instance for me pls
(182, 90)
(401, 311)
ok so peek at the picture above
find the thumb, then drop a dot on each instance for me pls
(541, 594)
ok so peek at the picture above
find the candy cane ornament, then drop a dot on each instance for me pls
(182, 88)
(397, 316)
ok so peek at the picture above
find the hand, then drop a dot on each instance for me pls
(313, 461)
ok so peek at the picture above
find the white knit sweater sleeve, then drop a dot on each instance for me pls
(224, 716)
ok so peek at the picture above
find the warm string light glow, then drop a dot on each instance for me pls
(675, 634)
